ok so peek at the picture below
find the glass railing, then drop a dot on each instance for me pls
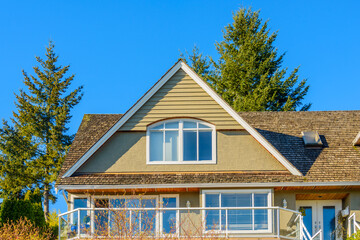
(172, 223)
(353, 225)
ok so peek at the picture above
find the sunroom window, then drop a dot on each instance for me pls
(181, 141)
(251, 213)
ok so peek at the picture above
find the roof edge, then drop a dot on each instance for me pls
(210, 185)
(180, 64)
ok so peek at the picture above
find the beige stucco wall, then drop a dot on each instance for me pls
(181, 96)
(126, 152)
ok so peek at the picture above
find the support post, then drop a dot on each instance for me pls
(78, 223)
(278, 222)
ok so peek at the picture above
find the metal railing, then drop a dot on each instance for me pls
(353, 225)
(170, 223)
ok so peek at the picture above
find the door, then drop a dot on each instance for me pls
(321, 214)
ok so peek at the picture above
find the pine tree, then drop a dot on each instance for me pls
(40, 123)
(249, 73)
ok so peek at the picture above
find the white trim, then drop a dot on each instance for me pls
(181, 65)
(181, 130)
(209, 185)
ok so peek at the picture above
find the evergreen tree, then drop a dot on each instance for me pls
(249, 73)
(40, 125)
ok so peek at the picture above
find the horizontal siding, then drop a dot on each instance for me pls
(181, 96)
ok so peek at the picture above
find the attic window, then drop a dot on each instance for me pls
(356, 141)
(181, 141)
(312, 139)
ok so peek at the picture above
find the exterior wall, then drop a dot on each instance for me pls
(181, 96)
(354, 204)
(126, 152)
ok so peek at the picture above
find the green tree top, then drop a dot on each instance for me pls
(249, 73)
(43, 112)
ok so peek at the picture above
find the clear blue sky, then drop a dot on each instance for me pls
(118, 49)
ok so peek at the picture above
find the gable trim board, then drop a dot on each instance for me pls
(181, 65)
(210, 185)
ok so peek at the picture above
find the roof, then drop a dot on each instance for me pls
(338, 161)
(92, 128)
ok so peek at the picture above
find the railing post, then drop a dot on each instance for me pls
(177, 225)
(78, 223)
(226, 223)
(278, 222)
(300, 227)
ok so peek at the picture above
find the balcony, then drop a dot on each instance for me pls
(173, 223)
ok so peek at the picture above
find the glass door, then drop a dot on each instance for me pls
(321, 214)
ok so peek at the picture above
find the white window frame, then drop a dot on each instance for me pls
(72, 205)
(158, 198)
(109, 197)
(180, 142)
(177, 214)
(245, 191)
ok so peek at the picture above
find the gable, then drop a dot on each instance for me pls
(125, 152)
(147, 96)
(179, 97)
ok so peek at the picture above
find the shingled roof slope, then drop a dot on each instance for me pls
(92, 128)
(338, 160)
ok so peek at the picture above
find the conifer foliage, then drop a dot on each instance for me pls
(249, 73)
(34, 145)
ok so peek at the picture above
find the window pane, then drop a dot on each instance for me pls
(172, 125)
(84, 217)
(169, 217)
(171, 145)
(135, 215)
(156, 146)
(329, 222)
(188, 124)
(161, 126)
(148, 217)
(205, 146)
(101, 217)
(237, 219)
(236, 200)
(260, 215)
(190, 151)
(203, 126)
(117, 203)
(260, 200)
(212, 217)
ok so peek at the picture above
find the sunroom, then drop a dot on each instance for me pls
(190, 213)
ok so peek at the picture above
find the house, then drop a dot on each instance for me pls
(181, 162)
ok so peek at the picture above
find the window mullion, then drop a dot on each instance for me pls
(164, 146)
(197, 141)
(253, 211)
(181, 142)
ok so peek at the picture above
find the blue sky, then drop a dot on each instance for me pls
(118, 49)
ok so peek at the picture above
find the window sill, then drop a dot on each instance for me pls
(181, 163)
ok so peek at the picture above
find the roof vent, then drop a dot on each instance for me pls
(356, 141)
(312, 139)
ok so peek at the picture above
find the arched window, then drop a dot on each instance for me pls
(178, 141)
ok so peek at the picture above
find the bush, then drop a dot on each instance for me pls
(53, 223)
(13, 210)
(23, 229)
(355, 236)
